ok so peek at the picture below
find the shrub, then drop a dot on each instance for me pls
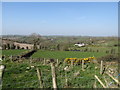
(108, 58)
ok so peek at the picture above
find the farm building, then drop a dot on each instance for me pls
(80, 45)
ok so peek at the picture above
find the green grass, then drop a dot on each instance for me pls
(17, 76)
(65, 54)
(12, 52)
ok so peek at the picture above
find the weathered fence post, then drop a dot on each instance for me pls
(100, 81)
(72, 63)
(53, 76)
(40, 77)
(83, 65)
(64, 64)
(2, 67)
(101, 67)
(66, 80)
(57, 63)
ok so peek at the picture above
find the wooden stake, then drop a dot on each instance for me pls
(100, 81)
(2, 67)
(64, 64)
(113, 78)
(44, 61)
(40, 78)
(101, 67)
(72, 63)
(53, 76)
(83, 65)
(66, 80)
(57, 63)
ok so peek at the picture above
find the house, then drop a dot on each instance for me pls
(80, 45)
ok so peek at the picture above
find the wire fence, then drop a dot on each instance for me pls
(48, 80)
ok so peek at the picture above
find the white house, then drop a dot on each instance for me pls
(80, 45)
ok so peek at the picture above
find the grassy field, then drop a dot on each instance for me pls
(91, 48)
(21, 75)
(12, 52)
(65, 54)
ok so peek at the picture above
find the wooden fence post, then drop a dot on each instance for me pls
(64, 64)
(83, 65)
(40, 77)
(53, 76)
(101, 67)
(72, 63)
(100, 81)
(2, 67)
(66, 80)
(57, 63)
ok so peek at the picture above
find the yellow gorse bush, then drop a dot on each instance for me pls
(78, 60)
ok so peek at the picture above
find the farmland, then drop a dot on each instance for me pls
(19, 76)
(59, 45)
(65, 54)
(12, 52)
(22, 72)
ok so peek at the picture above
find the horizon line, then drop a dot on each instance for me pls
(63, 35)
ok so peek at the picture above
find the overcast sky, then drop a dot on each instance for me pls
(65, 18)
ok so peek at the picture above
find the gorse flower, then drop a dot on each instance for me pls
(79, 60)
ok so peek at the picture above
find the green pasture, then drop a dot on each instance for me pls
(12, 52)
(66, 54)
(98, 48)
(22, 75)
